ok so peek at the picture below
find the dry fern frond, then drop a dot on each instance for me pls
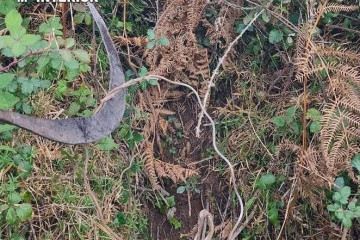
(134, 41)
(175, 172)
(304, 59)
(338, 53)
(333, 7)
(163, 125)
(149, 165)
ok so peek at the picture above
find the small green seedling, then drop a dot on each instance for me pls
(155, 41)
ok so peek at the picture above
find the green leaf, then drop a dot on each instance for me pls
(79, 18)
(180, 189)
(153, 82)
(150, 44)
(340, 182)
(339, 214)
(313, 114)
(170, 201)
(7, 5)
(13, 20)
(273, 213)
(18, 49)
(275, 36)
(88, 19)
(69, 42)
(7, 100)
(356, 162)
(142, 71)
(266, 181)
(124, 132)
(27, 87)
(107, 144)
(24, 211)
(332, 207)
(6, 127)
(66, 55)
(265, 17)
(279, 121)
(3, 207)
(357, 211)
(82, 55)
(19, 33)
(7, 148)
(120, 219)
(14, 198)
(346, 222)
(5, 79)
(29, 39)
(336, 197)
(345, 191)
(176, 223)
(163, 41)
(11, 216)
(138, 137)
(315, 127)
(290, 112)
(74, 108)
(352, 205)
(151, 34)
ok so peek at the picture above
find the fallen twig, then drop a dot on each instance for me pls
(216, 71)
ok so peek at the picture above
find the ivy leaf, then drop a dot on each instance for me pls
(180, 189)
(275, 36)
(150, 44)
(163, 41)
(5, 79)
(340, 182)
(142, 71)
(7, 100)
(107, 144)
(13, 20)
(82, 55)
(11, 216)
(150, 34)
(24, 211)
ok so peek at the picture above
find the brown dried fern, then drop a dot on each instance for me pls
(333, 7)
(341, 119)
